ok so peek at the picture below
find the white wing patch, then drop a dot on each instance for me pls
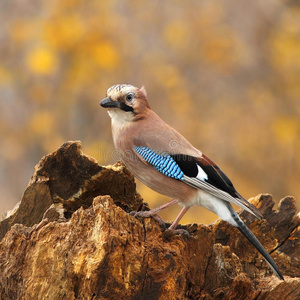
(201, 174)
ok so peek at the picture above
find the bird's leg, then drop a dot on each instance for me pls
(172, 229)
(154, 211)
(178, 218)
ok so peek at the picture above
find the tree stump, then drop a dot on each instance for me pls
(72, 237)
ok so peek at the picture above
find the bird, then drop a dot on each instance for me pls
(165, 161)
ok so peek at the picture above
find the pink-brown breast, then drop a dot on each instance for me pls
(153, 133)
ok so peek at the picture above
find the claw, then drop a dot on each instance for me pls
(142, 214)
(147, 214)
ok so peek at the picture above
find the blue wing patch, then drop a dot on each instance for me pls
(165, 164)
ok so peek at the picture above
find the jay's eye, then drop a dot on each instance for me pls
(129, 97)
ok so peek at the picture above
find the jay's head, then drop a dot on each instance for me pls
(126, 102)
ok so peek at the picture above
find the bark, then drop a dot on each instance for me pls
(72, 237)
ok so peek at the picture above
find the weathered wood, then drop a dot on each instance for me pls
(65, 180)
(87, 246)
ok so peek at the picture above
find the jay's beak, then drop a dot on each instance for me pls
(107, 102)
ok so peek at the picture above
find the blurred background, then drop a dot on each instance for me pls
(226, 74)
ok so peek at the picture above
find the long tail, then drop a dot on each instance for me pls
(255, 242)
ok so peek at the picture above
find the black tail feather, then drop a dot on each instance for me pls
(255, 242)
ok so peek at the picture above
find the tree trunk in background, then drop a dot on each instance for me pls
(72, 238)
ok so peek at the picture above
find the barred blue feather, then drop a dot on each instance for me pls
(163, 163)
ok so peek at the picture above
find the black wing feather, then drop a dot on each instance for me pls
(188, 165)
(216, 183)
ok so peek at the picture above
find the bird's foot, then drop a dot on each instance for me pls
(142, 214)
(185, 232)
(147, 214)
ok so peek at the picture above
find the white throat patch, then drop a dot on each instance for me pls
(120, 118)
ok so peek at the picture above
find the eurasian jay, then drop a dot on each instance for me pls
(165, 161)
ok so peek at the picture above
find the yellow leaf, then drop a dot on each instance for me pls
(105, 55)
(286, 129)
(42, 61)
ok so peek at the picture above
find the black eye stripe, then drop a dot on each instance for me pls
(125, 107)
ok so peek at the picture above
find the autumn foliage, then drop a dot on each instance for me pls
(224, 74)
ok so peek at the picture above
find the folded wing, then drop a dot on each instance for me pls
(198, 172)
